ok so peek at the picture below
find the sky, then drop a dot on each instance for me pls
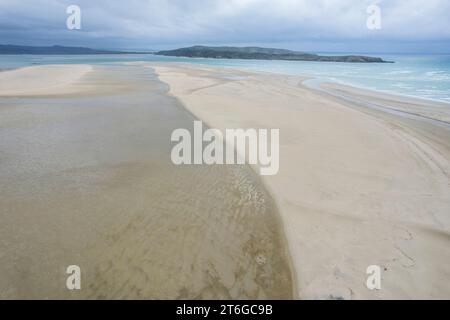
(412, 26)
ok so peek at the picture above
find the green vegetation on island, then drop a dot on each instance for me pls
(256, 53)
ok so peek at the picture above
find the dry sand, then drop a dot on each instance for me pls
(356, 187)
(42, 80)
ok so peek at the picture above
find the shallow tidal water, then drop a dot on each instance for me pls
(87, 180)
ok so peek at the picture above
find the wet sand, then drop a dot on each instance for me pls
(86, 179)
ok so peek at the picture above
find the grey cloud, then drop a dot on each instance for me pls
(153, 23)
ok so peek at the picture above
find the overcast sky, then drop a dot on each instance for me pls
(308, 25)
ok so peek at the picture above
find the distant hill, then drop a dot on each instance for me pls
(13, 49)
(261, 54)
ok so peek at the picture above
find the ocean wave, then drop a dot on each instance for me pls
(398, 72)
(438, 75)
(402, 85)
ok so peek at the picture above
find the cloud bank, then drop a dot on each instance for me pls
(324, 25)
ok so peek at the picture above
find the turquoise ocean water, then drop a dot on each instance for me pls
(425, 76)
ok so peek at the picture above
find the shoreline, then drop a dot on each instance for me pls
(337, 82)
(196, 85)
(351, 94)
(389, 92)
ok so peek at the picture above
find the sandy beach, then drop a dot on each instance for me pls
(226, 158)
(86, 179)
(356, 187)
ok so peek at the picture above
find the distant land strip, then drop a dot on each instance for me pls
(257, 53)
(247, 53)
(13, 49)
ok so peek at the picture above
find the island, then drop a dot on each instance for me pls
(257, 53)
